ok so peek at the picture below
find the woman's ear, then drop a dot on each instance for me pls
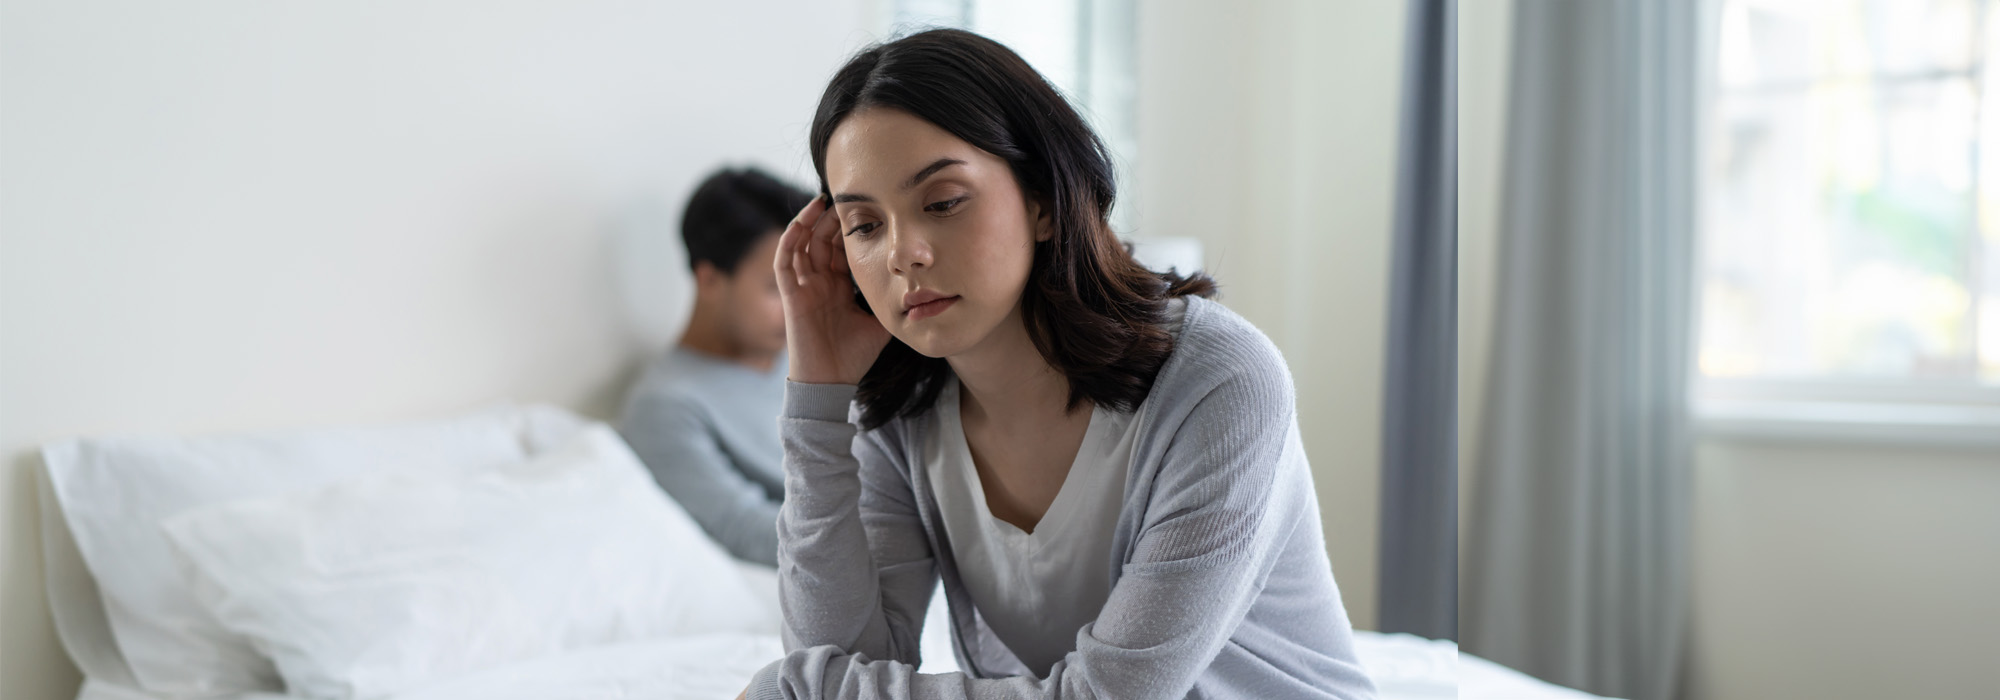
(1045, 225)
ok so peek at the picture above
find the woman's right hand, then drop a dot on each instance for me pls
(829, 338)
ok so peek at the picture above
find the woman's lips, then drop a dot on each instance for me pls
(932, 308)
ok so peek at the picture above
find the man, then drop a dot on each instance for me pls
(704, 417)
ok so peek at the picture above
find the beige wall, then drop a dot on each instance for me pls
(237, 215)
(1820, 570)
(1267, 129)
(1483, 44)
(1844, 571)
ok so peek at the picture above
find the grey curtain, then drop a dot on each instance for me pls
(1419, 554)
(1577, 566)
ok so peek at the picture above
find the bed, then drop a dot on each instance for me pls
(515, 551)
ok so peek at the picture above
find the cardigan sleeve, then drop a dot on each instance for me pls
(855, 570)
(1195, 570)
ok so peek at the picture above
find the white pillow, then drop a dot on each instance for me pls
(114, 492)
(383, 583)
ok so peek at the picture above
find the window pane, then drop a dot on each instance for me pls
(1779, 44)
(1987, 266)
(1843, 196)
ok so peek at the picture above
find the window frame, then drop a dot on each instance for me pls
(1894, 411)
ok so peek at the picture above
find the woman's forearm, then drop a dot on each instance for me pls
(832, 569)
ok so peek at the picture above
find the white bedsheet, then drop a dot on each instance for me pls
(700, 666)
(1486, 680)
(711, 667)
(707, 667)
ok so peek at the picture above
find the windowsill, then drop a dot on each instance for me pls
(1896, 423)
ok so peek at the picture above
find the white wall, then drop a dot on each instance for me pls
(237, 215)
(1281, 160)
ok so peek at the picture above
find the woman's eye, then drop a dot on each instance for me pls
(944, 206)
(861, 229)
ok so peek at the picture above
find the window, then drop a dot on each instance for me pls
(1850, 182)
(1085, 47)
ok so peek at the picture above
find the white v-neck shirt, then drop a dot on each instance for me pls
(1035, 590)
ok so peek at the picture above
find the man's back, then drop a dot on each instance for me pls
(708, 430)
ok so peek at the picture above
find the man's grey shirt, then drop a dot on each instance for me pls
(708, 430)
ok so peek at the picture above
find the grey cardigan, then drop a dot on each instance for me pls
(1221, 587)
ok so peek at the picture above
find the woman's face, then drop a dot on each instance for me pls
(924, 215)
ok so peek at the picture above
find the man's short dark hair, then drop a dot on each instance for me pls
(731, 210)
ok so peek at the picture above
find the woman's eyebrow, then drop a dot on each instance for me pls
(930, 170)
(917, 179)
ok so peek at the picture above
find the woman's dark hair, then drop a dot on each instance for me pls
(731, 210)
(1092, 310)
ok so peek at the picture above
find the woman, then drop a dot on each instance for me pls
(1102, 465)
